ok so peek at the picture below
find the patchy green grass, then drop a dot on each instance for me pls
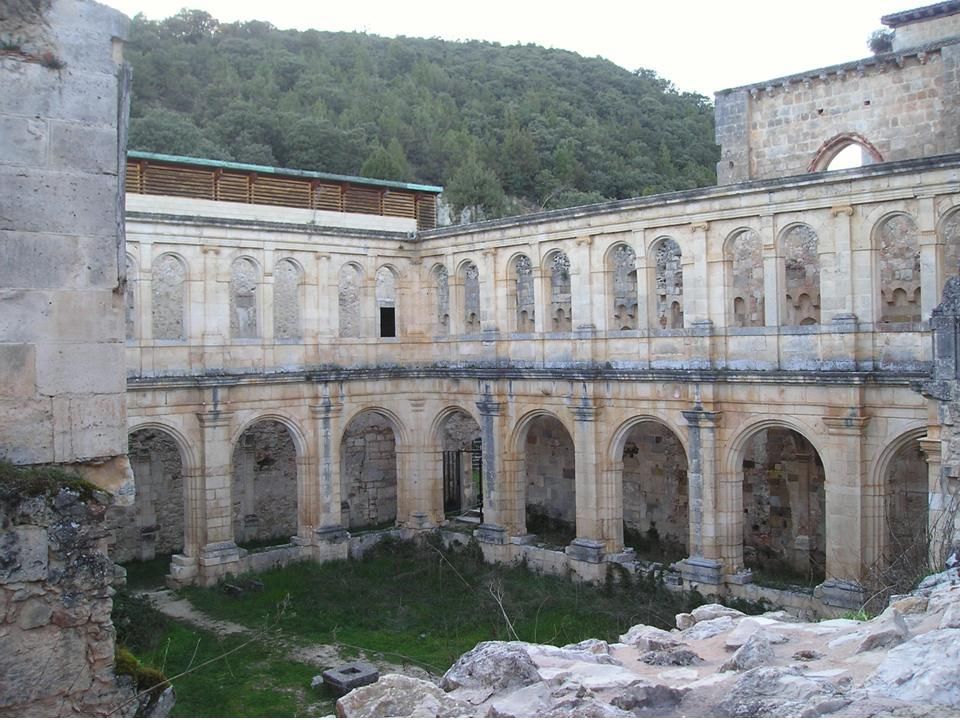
(35, 480)
(147, 574)
(420, 603)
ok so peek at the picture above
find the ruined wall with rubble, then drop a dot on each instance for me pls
(368, 472)
(62, 368)
(56, 636)
(897, 106)
(265, 484)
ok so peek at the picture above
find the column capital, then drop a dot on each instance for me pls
(932, 450)
(489, 407)
(585, 413)
(325, 410)
(214, 418)
(850, 425)
(702, 418)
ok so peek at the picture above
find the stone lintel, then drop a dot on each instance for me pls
(586, 550)
(491, 533)
(696, 569)
(841, 593)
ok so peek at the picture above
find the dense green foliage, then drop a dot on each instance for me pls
(505, 129)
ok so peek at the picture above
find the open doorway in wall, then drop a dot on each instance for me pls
(655, 498)
(368, 473)
(462, 468)
(784, 513)
(551, 502)
(264, 486)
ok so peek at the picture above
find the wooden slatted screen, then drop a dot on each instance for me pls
(163, 178)
(362, 200)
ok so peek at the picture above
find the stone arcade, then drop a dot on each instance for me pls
(734, 369)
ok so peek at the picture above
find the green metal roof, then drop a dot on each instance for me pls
(308, 174)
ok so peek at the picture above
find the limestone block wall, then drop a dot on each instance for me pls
(265, 484)
(62, 135)
(896, 106)
(56, 636)
(369, 472)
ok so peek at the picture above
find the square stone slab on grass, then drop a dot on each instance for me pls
(345, 678)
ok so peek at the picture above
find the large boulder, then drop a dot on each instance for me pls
(755, 652)
(779, 692)
(714, 611)
(922, 669)
(400, 696)
(646, 699)
(490, 668)
(647, 637)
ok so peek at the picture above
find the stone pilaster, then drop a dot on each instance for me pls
(499, 503)
(838, 301)
(596, 513)
(716, 543)
(218, 552)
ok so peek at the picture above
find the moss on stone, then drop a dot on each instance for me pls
(36, 480)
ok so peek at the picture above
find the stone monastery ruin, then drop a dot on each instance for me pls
(735, 371)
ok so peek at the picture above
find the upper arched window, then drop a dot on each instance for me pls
(668, 281)
(471, 298)
(561, 296)
(848, 150)
(386, 294)
(622, 269)
(286, 301)
(244, 278)
(523, 295)
(349, 289)
(441, 280)
(744, 256)
(168, 281)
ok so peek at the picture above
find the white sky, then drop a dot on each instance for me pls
(699, 45)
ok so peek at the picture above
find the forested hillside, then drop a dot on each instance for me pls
(508, 129)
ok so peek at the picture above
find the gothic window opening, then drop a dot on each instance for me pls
(286, 301)
(244, 277)
(169, 278)
(623, 260)
(802, 276)
(668, 281)
(561, 299)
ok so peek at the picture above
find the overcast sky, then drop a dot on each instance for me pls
(699, 45)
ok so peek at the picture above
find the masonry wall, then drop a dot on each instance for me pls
(62, 134)
(900, 105)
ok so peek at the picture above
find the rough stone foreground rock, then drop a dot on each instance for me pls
(400, 696)
(764, 666)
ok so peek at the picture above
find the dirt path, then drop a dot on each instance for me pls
(319, 655)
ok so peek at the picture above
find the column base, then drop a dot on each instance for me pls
(183, 571)
(331, 535)
(844, 322)
(701, 570)
(491, 533)
(421, 521)
(586, 550)
(847, 594)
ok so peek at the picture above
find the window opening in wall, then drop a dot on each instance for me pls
(852, 156)
(388, 322)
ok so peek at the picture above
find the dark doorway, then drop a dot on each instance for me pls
(388, 322)
(452, 480)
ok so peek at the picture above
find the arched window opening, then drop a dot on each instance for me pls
(523, 295)
(244, 277)
(906, 508)
(368, 473)
(471, 298)
(802, 275)
(668, 280)
(623, 272)
(655, 495)
(899, 259)
(745, 265)
(169, 278)
(560, 294)
(160, 507)
(441, 281)
(387, 302)
(286, 301)
(849, 150)
(349, 288)
(265, 485)
(462, 466)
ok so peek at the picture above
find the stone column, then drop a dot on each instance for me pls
(419, 501)
(219, 553)
(488, 292)
(216, 309)
(541, 304)
(931, 254)
(323, 505)
(944, 501)
(695, 280)
(594, 503)
(498, 504)
(850, 505)
(645, 299)
(716, 543)
(265, 301)
(458, 303)
(582, 302)
(773, 303)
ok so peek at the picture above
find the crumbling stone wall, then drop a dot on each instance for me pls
(56, 636)
(898, 106)
(441, 280)
(349, 288)
(244, 278)
(655, 483)
(524, 296)
(783, 500)
(550, 470)
(368, 472)
(471, 298)
(265, 484)
(624, 276)
(62, 277)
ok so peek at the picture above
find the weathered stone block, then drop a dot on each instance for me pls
(345, 678)
(25, 140)
(23, 554)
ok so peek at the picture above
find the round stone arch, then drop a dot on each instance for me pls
(266, 492)
(170, 301)
(901, 533)
(838, 143)
(541, 476)
(787, 510)
(457, 462)
(157, 522)
(387, 300)
(649, 462)
(374, 492)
